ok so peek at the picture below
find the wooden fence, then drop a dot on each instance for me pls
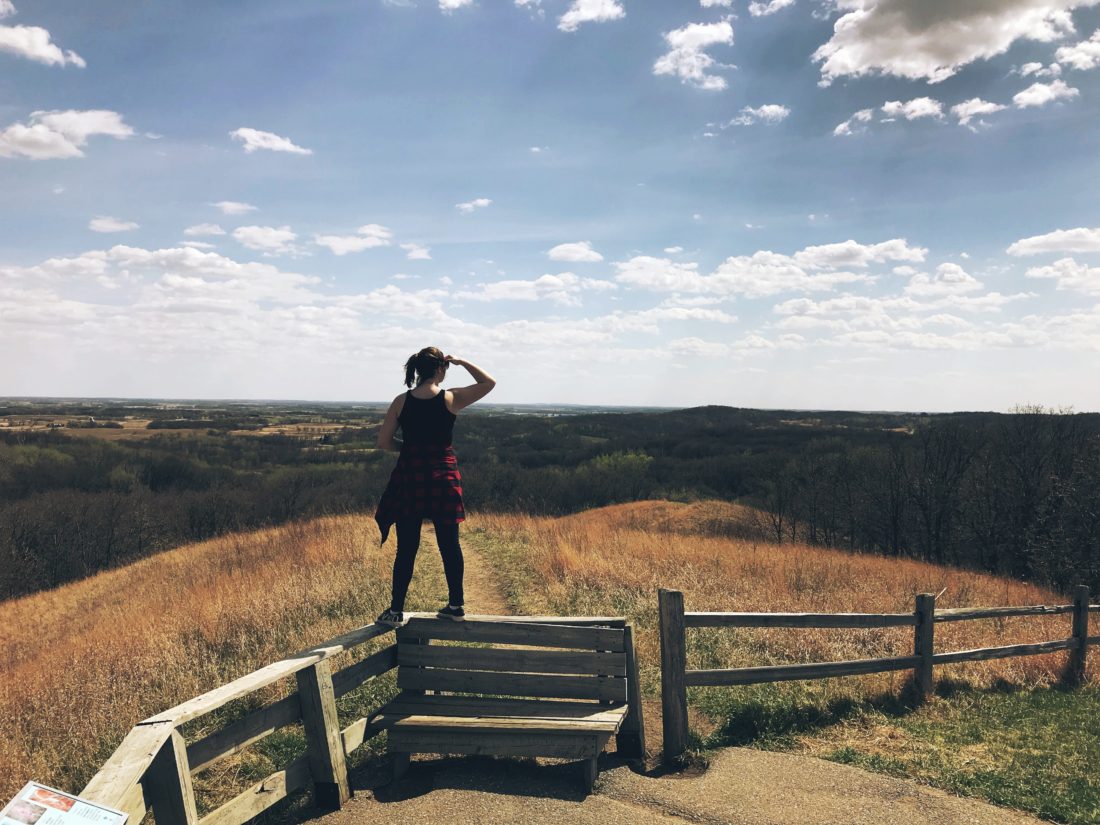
(676, 678)
(152, 768)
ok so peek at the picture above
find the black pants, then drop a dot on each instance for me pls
(408, 542)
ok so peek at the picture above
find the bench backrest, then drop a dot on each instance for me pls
(585, 662)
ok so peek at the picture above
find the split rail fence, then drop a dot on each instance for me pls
(152, 768)
(676, 678)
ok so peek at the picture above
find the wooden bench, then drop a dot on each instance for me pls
(477, 698)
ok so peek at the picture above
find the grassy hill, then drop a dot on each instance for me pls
(85, 661)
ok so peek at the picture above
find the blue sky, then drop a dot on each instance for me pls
(863, 204)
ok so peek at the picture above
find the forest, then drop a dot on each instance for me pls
(1016, 493)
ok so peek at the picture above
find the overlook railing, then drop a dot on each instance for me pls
(676, 678)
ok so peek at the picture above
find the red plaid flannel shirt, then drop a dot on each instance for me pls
(425, 483)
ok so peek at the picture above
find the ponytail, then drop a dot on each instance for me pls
(423, 365)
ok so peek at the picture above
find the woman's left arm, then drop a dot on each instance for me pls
(389, 427)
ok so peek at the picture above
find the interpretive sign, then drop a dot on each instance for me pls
(41, 805)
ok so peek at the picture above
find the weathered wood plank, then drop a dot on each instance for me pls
(514, 684)
(118, 776)
(958, 614)
(168, 784)
(262, 795)
(515, 708)
(924, 644)
(983, 653)
(1094, 640)
(518, 633)
(579, 662)
(1078, 655)
(1094, 608)
(214, 699)
(133, 804)
(630, 741)
(239, 735)
(577, 621)
(322, 729)
(674, 718)
(489, 724)
(346, 680)
(563, 746)
(359, 732)
(785, 673)
(798, 619)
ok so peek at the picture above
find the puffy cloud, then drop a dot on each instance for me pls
(416, 252)
(469, 206)
(451, 5)
(107, 224)
(757, 9)
(673, 250)
(1070, 275)
(1083, 55)
(862, 116)
(200, 229)
(769, 273)
(975, 107)
(659, 274)
(589, 11)
(709, 4)
(1039, 70)
(581, 251)
(768, 113)
(1040, 94)
(852, 253)
(562, 288)
(368, 237)
(917, 39)
(267, 239)
(687, 58)
(33, 43)
(1060, 240)
(254, 139)
(60, 134)
(911, 110)
(234, 207)
(950, 279)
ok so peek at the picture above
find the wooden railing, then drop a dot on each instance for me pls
(152, 768)
(676, 678)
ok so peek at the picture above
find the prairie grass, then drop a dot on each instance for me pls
(612, 560)
(84, 662)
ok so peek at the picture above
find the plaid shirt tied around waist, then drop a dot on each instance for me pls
(425, 483)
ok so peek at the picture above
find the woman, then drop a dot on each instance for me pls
(426, 482)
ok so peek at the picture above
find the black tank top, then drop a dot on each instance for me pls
(426, 420)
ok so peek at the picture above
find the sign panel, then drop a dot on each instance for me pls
(41, 805)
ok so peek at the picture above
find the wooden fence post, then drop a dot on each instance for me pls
(168, 782)
(630, 741)
(673, 665)
(1078, 656)
(325, 745)
(923, 642)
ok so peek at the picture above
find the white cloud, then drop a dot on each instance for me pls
(1040, 94)
(709, 4)
(975, 107)
(197, 245)
(768, 113)
(562, 289)
(589, 11)
(33, 43)
(1060, 240)
(950, 279)
(60, 134)
(1070, 275)
(267, 239)
(699, 347)
(1039, 70)
(370, 236)
(687, 58)
(912, 109)
(862, 116)
(1083, 55)
(757, 9)
(108, 224)
(852, 253)
(580, 251)
(254, 139)
(469, 206)
(416, 252)
(673, 250)
(451, 5)
(234, 207)
(918, 39)
(200, 229)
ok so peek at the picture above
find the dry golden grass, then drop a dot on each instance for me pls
(84, 662)
(613, 560)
